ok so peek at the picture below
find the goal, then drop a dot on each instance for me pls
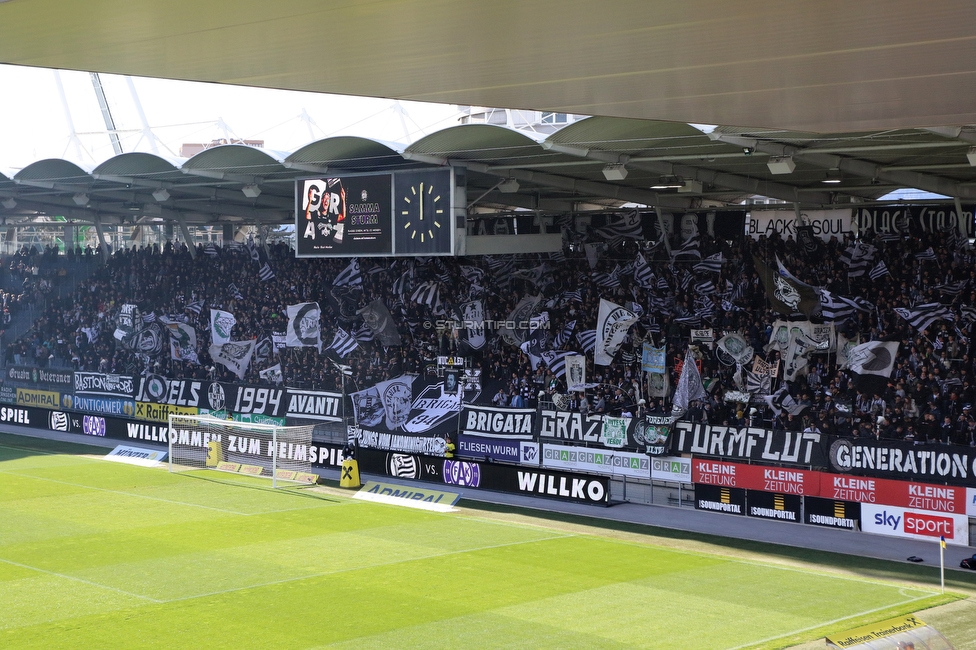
(275, 452)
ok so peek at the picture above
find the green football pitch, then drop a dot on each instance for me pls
(96, 554)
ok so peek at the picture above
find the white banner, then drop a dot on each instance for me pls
(396, 396)
(303, 326)
(612, 325)
(825, 223)
(671, 468)
(596, 461)
(971, 502)
(915, 524)
(221, 323)
(575, 372)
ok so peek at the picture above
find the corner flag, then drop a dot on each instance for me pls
(942, 540)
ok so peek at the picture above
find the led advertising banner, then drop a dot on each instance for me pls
(398, 213)
(915, 524)
(344, 216)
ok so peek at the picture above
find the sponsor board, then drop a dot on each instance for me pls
(412, 497)
(50, 378)
(769, 505)
(900, 460)
(16, 416)
(225, 466)
(93, 425)
(971, 502)
(489, 449)
(314, 405)
(596, 461)
(914, 524)
(489, 421)
(905, 494)
(749, 443)
(671, 468)
(755, 477)
(529, 453)
(716, 498)
(99, 383)
(573, 487)
(863, 636)
(42, 398)
(103, 405)
(831, 513)
(136, 456)
(8, 394)
(161, 412)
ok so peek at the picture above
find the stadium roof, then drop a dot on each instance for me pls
(828, 66)
(568, 170)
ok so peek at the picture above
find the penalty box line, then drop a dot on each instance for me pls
(326, 574)
(91, 583)
(152, 498)
(832, 622)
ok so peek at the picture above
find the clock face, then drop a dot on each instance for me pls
(422, 213)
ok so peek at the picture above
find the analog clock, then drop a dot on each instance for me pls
(423, 213)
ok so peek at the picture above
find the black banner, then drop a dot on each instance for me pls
(832, 513)
(936, 463)
(571, 427)
(493, 421)
(314, 405)
(720, 499)
(104, 384)
(749, 443)
(213, 396)
(53, 378)
(912, 220)
(770, 505)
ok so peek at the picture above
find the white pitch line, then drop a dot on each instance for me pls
(82, 580)
(826, 623)
(364, 568)
(151, 498)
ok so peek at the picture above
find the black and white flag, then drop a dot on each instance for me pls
(953, 288)
(922, 316)
(879, 271)
(234, 355)
(643, 276)
(587, 340)
(928, 255)
(711, 264)
(380, 321)
(427, 293)
(234, 291)
(613, 323)
(564, 335)
(350, 276)
(871, 364)
(690, 387)
(781, 401)
(196, 307)
(303, 326)
(342, 343)
(265, 273)
(629, 226)
(272, 374)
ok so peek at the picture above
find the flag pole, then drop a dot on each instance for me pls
(942, 562)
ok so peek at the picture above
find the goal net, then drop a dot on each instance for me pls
(275, 452)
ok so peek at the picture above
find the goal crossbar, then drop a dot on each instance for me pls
(274, 451)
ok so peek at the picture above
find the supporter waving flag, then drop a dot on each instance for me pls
(342, 343)
(922, 316)
(350, 276)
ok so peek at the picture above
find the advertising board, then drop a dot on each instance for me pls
(914, 524)
(596, 461)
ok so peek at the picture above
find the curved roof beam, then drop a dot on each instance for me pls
(853, 166)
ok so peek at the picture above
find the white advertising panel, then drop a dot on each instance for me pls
(671, 468)
(596, 461)
(915, 524)
(971, 502)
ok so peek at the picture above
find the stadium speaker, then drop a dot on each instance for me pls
(615, 172)
(781, 165)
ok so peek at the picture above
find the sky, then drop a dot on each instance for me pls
(34, 123)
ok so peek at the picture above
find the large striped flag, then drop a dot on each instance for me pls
(643, 275)
(350, 276)
(711, 264)
(343, 343)
(879, 271)
(266, 273)
(426, 294)
(587, 340)
(922, 316)
(563, 337)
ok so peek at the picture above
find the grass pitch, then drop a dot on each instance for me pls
(95, 554)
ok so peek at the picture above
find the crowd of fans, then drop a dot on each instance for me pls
(929, 396)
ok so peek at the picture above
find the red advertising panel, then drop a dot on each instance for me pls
(756, 477)
(903, 494)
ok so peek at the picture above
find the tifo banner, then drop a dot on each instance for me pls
(566, 426)
(430, 445)
(749, 443)
(904, 460)
(596, 461)
(756, 477)
(915, 524)
(825, 223)
(489, 421)
(57, 379)
(671, 468)
(110, 385)
(314, 405)
(831, 513)
(912, 220)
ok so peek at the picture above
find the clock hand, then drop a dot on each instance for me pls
(421, 201)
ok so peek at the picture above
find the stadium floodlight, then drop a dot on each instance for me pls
(198, 442)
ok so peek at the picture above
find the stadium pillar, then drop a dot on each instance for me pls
(228, 233)
(100, 231)
(187, 238)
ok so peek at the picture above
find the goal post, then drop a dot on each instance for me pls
(271, 451)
